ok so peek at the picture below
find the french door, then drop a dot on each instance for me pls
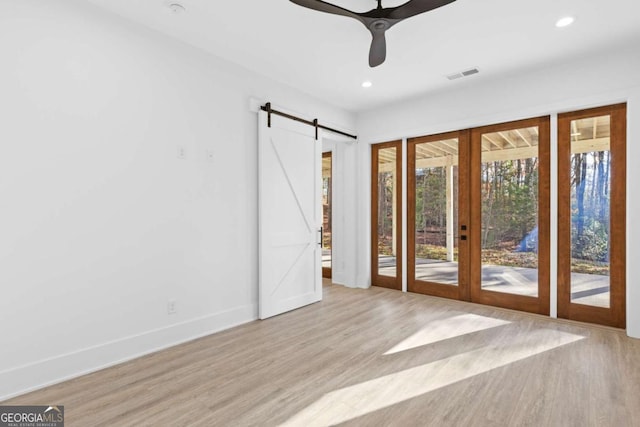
(438, 214)
(510, 221)
(591, 215)
(478, 212)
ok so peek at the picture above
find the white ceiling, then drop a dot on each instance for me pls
(327, 55)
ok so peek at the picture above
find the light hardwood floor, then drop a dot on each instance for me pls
(372, 358)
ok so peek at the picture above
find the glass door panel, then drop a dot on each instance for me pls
(387, 192)
(590, 210)
(436, 207)
(509, 184)
(386, 210)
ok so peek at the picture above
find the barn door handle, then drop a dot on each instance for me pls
(321, 231)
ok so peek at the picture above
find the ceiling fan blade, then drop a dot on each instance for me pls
(416, 7)
(378, 51)
(323, 6)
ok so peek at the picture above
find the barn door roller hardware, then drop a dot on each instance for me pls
(314, 123)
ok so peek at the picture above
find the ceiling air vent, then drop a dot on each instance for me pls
(465, 73)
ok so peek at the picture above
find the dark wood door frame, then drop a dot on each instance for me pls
(539, 304)
(616, 314)
(461, 291)
(376, 278)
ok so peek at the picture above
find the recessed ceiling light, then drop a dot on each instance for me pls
(565, 22)
(177, 8)
(367, 84)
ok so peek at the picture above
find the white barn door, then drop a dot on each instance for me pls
(290, 182)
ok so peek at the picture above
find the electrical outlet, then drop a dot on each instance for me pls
(182, 152)
(171, 306)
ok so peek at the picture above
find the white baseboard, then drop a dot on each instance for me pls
(23, 379)
(342, 278)
(337, 277)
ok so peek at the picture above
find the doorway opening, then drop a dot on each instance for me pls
(327, 204)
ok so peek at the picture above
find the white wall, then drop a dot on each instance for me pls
(601, 79)
(102, 224)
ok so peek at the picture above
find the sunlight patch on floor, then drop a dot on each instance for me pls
(354, 401)
(444, 329)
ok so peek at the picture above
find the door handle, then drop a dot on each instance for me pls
(321, 231)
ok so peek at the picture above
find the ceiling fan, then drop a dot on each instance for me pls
(377, 20)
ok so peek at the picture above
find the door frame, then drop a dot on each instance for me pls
(615, 315)
(461, 291)
(327, 271)
(377, 279)
(541, 303)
